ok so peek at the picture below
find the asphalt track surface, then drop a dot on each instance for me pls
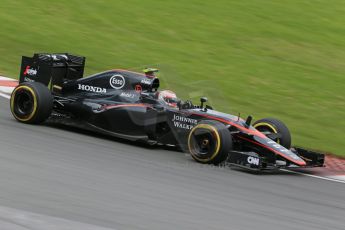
(52, 178)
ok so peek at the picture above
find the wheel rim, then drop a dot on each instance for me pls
(23, 103)
(268, 130)
(203, 144)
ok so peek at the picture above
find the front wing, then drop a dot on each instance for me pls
(253, 161)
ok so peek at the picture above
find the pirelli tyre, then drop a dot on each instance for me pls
(275, 130)
(209, 142)
(31, 102)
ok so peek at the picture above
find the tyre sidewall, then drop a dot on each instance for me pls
(279, 127)
(42, 102)
(224, 142)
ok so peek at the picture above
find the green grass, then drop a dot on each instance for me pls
(277, 58)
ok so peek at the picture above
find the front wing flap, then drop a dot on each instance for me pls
(312, 158)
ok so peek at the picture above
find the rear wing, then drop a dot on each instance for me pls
(56, 68)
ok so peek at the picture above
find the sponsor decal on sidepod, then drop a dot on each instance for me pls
(129, 95)
(146, 81)
(117, 81)
(184, 122)
(138, 88)
(91, 88)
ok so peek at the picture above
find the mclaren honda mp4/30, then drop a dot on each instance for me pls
(129, 105)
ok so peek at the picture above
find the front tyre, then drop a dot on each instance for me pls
(31, 102)
(274, 129)
(209, 142)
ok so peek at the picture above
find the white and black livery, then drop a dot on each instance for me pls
(130, 105)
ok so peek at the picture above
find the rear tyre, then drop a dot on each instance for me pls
(274, 129)
(31, 102)
(209, 142)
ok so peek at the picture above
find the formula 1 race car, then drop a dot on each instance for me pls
(129, 105)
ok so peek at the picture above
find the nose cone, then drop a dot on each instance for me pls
(281, 151)
(299, 161)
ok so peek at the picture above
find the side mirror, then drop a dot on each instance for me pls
(249, 120)
(179, 105)
(209, 107)
(203, 100)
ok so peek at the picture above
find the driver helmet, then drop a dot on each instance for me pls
(167, 97)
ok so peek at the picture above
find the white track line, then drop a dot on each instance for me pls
(5, 95)
(7, 79)
(4, 90)
(314, 176)
(338, 177)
